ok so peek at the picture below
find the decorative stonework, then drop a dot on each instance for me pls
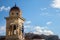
(14, 25)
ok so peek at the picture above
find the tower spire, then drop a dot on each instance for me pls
(15, 4)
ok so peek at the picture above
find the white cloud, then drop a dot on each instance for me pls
(38, 29)
(27, 22)
(42, 30)
(49, 23)
(43, 9)
(2, 30)
(56, 4)
(27, 26)
(4, 8)
(44, 14)
(48, 32)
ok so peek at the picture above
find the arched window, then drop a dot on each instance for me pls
(14, 29)
(22, 29)
(12, 13)
(17, 13)
(10, 29)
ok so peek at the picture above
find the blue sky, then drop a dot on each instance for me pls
(39, 14)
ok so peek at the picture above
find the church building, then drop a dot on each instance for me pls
(14, 24)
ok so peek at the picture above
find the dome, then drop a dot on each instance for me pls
(14, 8)
(15, 11)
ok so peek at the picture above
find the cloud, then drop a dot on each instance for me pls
(44, 14)
(27, 26)
(43, 9)
(49, 23)
(27, 22)
(37, 29)
(42, 30)
(2, 30)
(48, 32)
(4, 8)
(56, 4)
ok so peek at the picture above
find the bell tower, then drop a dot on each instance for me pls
(14, 24)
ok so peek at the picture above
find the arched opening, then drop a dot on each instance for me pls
(17, 13)
(14, 29)
(12, 13)
(10, 30)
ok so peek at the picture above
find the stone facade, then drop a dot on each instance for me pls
(14, 24)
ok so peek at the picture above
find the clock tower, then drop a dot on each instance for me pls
(14, 24)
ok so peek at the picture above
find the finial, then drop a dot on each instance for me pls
(15, 4)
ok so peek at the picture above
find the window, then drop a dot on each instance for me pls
(10, 29)
(12, 13)
(14, 29)
(17, 13)
(22, 29)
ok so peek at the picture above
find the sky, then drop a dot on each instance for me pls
(41, 16)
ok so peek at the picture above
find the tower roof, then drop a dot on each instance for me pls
(15, 8)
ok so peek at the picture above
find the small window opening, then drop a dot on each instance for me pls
(12, 13)
(14, 27)
(17, 13)
(14, 31)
